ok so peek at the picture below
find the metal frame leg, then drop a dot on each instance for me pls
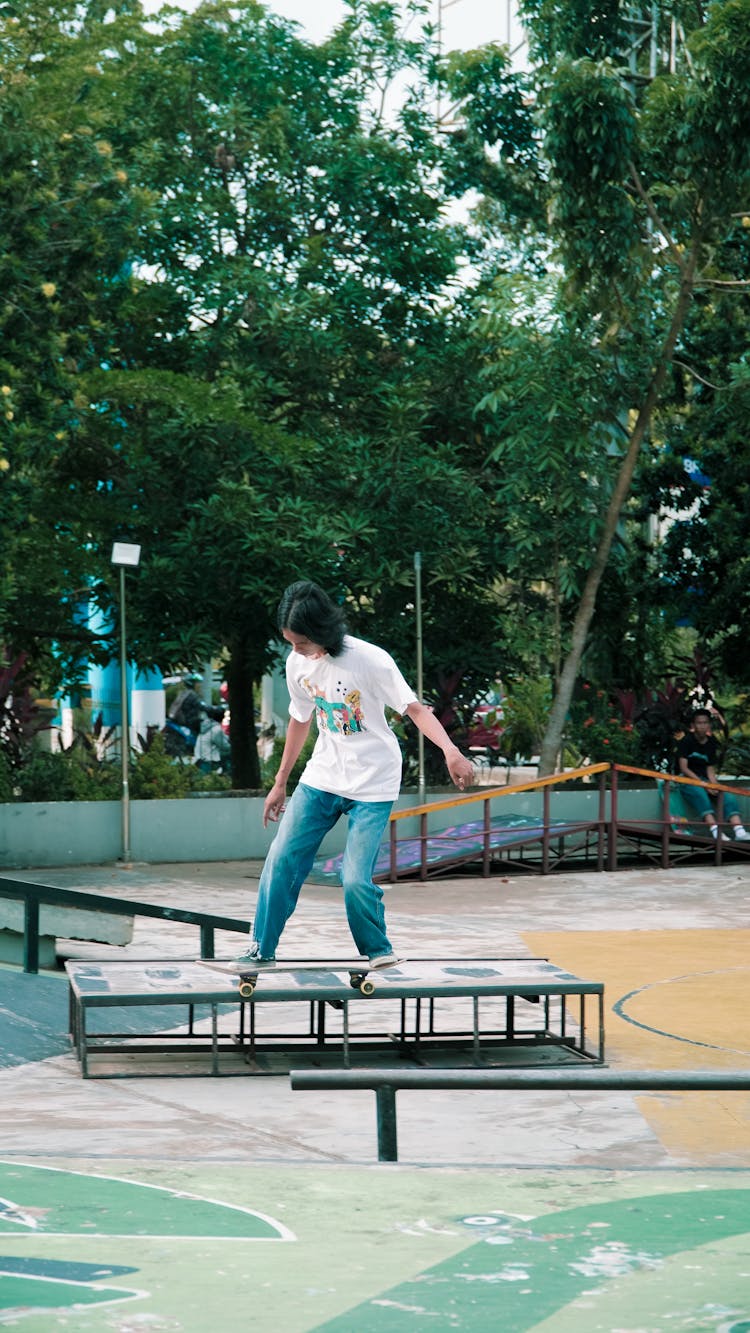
(345, 1033)
(475, 1035)
(385, 1100)
(214, 1038)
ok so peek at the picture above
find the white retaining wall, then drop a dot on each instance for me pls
(221, 828)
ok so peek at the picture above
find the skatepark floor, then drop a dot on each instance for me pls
(190, 1204)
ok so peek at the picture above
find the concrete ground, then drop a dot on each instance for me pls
(187, 1204)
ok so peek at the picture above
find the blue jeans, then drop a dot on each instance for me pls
(702, 801)
(308, 817)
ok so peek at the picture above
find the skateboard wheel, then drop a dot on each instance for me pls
(367, 987)
(246, 989)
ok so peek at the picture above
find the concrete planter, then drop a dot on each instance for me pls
(230, 828)
(59, 833)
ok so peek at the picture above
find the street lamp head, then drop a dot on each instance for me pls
(125, 554)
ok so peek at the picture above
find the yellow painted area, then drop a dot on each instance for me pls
(674, 999)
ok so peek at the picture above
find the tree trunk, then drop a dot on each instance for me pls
(552, 743)
(239, 677)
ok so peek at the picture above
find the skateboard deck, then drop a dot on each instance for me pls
(359, 970)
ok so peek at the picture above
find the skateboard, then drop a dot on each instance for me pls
(247, 976)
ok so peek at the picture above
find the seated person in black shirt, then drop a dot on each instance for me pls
(696, 757)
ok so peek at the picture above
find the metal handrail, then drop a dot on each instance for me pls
(33, 895)
(422, 812)
(386, 1082)
(676, 777)
(665, 822)
(493, 793)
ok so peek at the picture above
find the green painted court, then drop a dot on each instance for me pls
(339, 1249)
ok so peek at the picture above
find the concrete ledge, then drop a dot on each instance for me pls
(12, 949)
(69, 923)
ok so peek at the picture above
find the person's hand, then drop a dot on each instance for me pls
(273, 807)
(460, 769)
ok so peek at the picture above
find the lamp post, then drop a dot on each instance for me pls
(124, 556)
(420, 684)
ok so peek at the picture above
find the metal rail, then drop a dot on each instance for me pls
(385, 1083)
(662, 830)
(33, 895)
(546, 837)
(606, 825)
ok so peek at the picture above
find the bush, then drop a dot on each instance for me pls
(599, 733)
(6, 779)
(66, 776)
(78, 775)
(155, 775)
(737, 757)
(525, 713)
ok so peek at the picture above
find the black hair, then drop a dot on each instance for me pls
(305, 609)
(702, 712)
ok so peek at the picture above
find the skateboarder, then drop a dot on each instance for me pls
(354, 770)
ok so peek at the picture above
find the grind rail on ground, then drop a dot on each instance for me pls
(385, 1083)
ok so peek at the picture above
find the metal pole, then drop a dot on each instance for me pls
(385, 1100)
(570, 1079)
(439, 48)
(420, 682)
(125, 724)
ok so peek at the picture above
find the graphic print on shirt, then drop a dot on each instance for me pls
(344, 717)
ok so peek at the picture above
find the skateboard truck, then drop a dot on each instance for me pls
(247, 975)
(358, 980)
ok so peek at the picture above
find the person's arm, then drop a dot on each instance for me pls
(460, 768)
(296, 736)
(685, 769)
(687, 772)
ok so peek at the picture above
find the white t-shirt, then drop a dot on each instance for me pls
(356, 753)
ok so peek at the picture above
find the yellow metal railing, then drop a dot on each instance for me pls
(607, 822)
(664, 826)
(486, 797)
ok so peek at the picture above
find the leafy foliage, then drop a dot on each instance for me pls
(263, 298)
(590, 121)
(68, 227)
(80, 774)
(20, 718)
(240, 327)
(525, 711)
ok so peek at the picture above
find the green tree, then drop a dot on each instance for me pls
(704, 555)
(551, 392)
(655, 190)
(644, 171)
(291, 417)
(69, 218)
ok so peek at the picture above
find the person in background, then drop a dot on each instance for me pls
(187, 708)
(354, 770)
(183, 721)
(696, 758)
(212, 746)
